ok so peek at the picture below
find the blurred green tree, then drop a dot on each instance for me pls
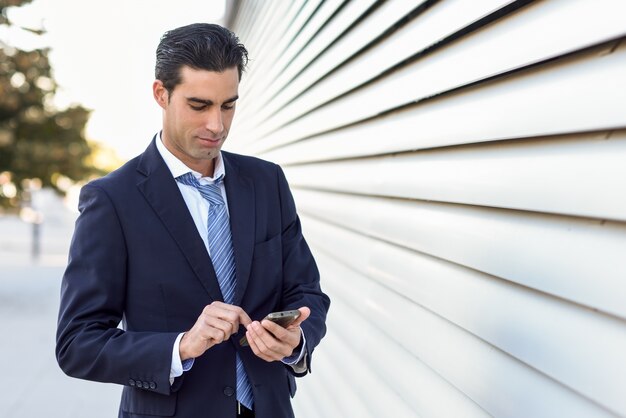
(37, 141)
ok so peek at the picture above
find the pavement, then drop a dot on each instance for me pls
(33, 384)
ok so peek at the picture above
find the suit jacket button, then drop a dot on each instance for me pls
(131, 382)
(228, 391)
(152, 385)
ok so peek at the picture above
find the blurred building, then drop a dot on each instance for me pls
(460, 170)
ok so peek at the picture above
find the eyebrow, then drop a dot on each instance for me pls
(209, 102)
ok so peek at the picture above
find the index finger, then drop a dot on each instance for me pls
(244, 319)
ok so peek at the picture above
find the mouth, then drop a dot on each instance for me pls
(210, 141)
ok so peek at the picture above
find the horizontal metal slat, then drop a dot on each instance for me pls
(578, 175)
(416, 383)
(244, 16)
(558, 256)
(256, 74)
(318, 20)
(430, 28)
(574, 345)
(365, 32)
(387, 401)
(261, 12)
(267, 30)
(480, 56)
(447, 18)
(314, 397)
(344, 18)
(306, 36)
(583, 94)
(305, 405)
(346, 397)
(501, 385)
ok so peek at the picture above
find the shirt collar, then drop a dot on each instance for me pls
(178, 168)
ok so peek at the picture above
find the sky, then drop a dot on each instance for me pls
(102, 55)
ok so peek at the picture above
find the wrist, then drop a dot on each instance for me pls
(182, 349)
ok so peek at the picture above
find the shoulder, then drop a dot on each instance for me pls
(122, 176)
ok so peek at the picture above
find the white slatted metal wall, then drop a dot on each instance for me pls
(460, 171)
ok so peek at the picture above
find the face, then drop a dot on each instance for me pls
(197, 115)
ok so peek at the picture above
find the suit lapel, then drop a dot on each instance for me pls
(240, 196)
(160, 190)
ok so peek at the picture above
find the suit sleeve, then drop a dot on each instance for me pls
(89, 343)
(301, 282)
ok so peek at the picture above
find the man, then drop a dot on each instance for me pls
(189, 247)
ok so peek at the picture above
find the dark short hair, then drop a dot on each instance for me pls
(202, 46)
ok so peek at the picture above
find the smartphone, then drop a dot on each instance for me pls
(283, 318)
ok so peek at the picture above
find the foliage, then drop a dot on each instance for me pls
(36, 140)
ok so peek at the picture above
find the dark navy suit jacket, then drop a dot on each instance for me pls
(137, 258)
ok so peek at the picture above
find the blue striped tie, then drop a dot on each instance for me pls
(222, 256)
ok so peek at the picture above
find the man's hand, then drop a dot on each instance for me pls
(271, 342)
(217, 322)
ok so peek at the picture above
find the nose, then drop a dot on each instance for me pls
(214, 122)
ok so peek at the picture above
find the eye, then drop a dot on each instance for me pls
(228, 107)
(197, 108)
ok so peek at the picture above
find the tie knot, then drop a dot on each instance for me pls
(210, 192)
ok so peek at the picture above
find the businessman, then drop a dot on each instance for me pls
(189, 247)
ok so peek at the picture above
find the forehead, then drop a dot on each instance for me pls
(208, 84)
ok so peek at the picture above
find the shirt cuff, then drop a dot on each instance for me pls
(294, 359)
(178, 367)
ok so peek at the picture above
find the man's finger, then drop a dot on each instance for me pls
(258, 346)
(304, 314)
(243, 317)
(277, 330)
(223, 325)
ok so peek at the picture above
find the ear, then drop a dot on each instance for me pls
(160, 93)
